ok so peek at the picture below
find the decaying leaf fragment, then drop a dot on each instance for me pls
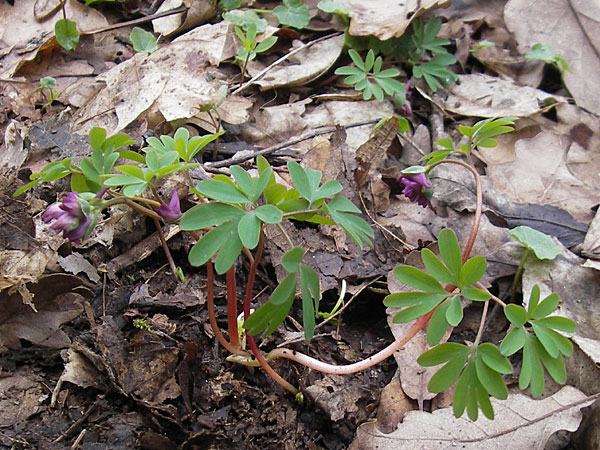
(520, 424)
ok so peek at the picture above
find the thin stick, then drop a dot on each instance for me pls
(245, 156)
(262, 73)
(116, 26)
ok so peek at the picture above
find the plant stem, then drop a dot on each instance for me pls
(232, 308)
(163, 243)
(513, 287)
(372, 360)
(481, 324)
(478, 207)
(267, 368)
(210, 306)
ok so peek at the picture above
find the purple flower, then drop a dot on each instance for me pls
(69, 217)
(172, 211)
(416, 188)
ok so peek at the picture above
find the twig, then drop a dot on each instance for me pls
(383, 228)
(116, 26)
(280, 60)
(245, 156)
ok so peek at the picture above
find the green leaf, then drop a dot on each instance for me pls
(423, 303)
(96, 138)
(447, 375)
(245, 18)
(515, 314)
(357, 60)
(341, 203)
(208, 215)
(490, 379)
(309, 286)
(554, 366)
(228, 253)
(558, 323)
(222, 191)
(210, 243)
(249, 230)
(266, 44)
(436, 267)
(48, 83)
(476, 295)
(66, 34)
(545, 307)
(328, 189)
(268, 317)
(413, 277)
(402, 299)
(227, 5)
(143, 41)
(300, 180)
(286, 288)
(244, 181)
(513, 341)
(269, 214)
(436, 328)
(454, 313)
(442, 353)
(334, 7)
(491, 356)
(293, 13)
(539, 243)
(450, 252)
(531, 368)
(534, 298)
(292, 259)
(472, 271)
(132, 156)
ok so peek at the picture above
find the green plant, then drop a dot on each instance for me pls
(65, 30)
(548, 55)
(229, 222)
(250, 47)
(48, 83)
(292, 13)
(367, 76)
(143, 41)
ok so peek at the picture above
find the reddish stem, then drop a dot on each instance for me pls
(267, 368)
(210, 305)
(232, 308)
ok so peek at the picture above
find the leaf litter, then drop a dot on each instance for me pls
(171, 373)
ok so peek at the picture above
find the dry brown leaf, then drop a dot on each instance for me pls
(199, 11)
(482, 95)
(513, 427)
(22, 35)
(572, 28)
(549, 169)
(386, 18)
(301, 68)
(55, 299)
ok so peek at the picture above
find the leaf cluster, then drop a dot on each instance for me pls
(448, 269)
(300, 277)
(368, 76)
(548, 55)
(415, 47)
(481, 134)
(88, 177)
(250, 47)
(242, 207)
(238, 218)
(479, 371)
(162, 157)
(292, 13)
(539, 335)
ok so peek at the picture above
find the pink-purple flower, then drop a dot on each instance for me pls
(416, 187)
(69, 217)
(172, 211)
